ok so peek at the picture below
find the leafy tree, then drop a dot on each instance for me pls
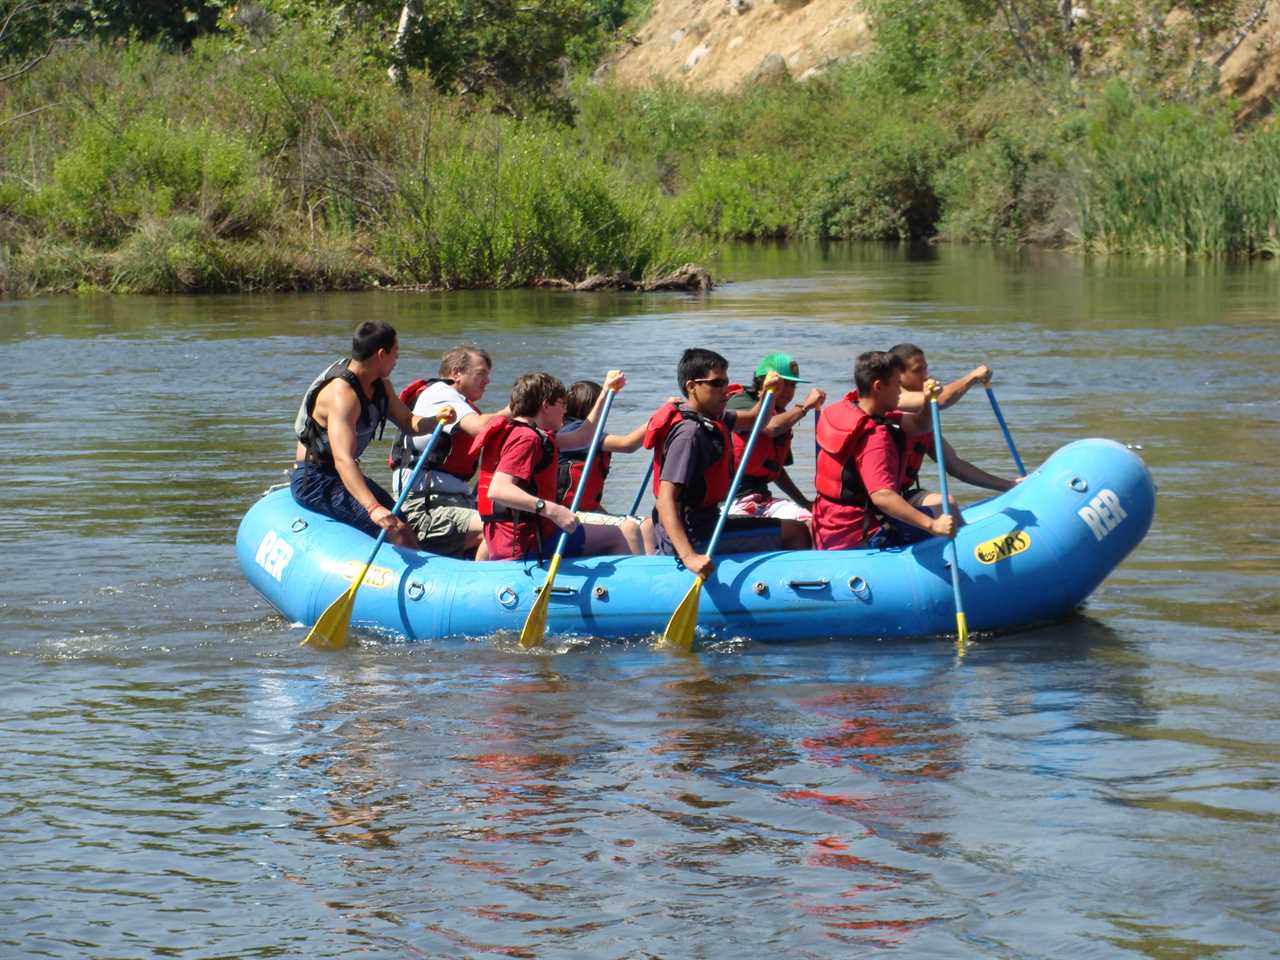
(516, 51)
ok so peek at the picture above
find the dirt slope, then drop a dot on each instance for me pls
(723, 44)
(719, 44)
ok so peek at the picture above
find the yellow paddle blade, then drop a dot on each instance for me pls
(962, 632)
(535, 625)
(683, 623)
(330, 631)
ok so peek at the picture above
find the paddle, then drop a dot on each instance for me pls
(635, 504)
(962, 628)
(683, 622)
(535, 625)
(330, 631)
(1004, 428)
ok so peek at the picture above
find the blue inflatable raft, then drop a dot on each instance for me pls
(1030, 555)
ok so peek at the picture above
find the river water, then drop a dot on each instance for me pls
(180, 779)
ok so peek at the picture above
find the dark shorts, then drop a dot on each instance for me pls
(319, 488)
(896, 534)
(740, 535)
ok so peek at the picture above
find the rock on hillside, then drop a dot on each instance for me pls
(720, 44)
(726, 44)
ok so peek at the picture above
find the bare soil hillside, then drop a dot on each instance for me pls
(719, 44)
(724, 44)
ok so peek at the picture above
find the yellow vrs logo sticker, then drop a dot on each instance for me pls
(377, 577)
(992, 551)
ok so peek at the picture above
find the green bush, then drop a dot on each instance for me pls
(116, 176)
(514, 205)
(886, 191)
(747, 197)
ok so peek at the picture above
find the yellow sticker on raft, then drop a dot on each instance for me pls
(998, 548)
(377, 577)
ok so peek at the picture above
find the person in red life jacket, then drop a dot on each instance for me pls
(693, 469)
(772, 453)
(340, 413)
(860, 465)
(582, 396)
(442, 508)
(519, 467)
(915, 373)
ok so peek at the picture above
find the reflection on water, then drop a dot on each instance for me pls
(181, 779)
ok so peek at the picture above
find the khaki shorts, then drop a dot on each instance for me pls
(443, 528)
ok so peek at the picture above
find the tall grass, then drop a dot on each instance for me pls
(1170, 178)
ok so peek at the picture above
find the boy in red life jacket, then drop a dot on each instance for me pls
(915, 373)
(339, 416)
(860, 465)
(584, 395)
(693, 469)
(516, 494)
(772, 453)
(442, 508)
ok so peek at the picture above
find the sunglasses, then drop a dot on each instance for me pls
(715, 383)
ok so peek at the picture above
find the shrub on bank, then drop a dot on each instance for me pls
(120, 172)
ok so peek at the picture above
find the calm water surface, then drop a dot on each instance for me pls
(180, 779)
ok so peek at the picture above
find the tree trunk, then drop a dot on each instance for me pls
(396, 70)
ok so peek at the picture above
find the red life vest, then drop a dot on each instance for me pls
(841, 427)
(446, 456)
(916, 446)
(569, 476)
(768, 457)
(487, 447)
(704, 492)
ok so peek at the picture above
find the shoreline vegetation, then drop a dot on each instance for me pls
(275, 154)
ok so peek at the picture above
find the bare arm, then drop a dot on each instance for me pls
(912, 401)
(747, 418)
(673, 524)
(966, 472)
(342, 410)
(627, 443)
(891, 504)
(406, 419)
(474, 423)
(784, 420)
(504, 492)
(579, 437)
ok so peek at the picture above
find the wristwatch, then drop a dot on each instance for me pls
(539, 506)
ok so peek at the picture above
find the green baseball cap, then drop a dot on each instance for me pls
(783, 364)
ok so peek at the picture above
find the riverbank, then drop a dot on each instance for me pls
(290, 163)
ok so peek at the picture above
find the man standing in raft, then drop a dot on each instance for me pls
(861, 438)
(519, 470)
(693, 468)
(442, 508)
(342, 410)
(915, 373)
(771, 455)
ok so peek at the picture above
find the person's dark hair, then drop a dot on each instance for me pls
(905, 351)
(460, 358)
(370, 337)
(582, 397)
(695, 363)
(875, 365)
(533, 391)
